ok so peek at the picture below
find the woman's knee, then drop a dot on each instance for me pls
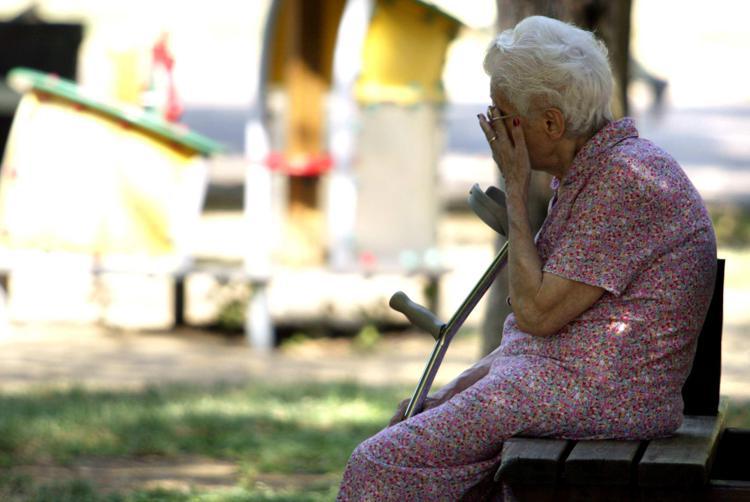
(360, 453)
(393, 446)
(368, 450)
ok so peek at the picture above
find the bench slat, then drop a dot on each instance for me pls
(602, 462)
(684, 459)
(531, 460)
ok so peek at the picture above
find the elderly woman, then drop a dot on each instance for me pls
(607, 300)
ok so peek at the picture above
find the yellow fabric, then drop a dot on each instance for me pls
(404, 54)
(76, 180)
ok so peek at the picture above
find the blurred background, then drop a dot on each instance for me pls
(204, 208)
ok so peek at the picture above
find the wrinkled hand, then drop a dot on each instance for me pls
(429, 402)
(508, 144)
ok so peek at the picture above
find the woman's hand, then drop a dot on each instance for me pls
(508, 145)
(429, 402)
(469, 377)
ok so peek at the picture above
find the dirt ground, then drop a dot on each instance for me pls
(34, 355)
(101, 358)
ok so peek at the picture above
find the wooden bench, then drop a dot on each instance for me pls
(555, 469)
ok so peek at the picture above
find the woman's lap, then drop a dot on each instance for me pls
(448, 449)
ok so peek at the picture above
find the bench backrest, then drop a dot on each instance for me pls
(701, 390)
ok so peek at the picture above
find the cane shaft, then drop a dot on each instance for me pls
(416, 403)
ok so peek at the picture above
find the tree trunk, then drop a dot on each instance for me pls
(610, 20)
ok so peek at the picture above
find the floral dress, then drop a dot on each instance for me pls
(625, 218)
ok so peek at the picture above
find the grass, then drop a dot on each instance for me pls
(738, 414)
(266, 429)
(731, 224)
(21, 489)
(284, 430)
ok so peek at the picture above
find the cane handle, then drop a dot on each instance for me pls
(418, 315)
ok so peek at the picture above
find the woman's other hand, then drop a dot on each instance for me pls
(462, 382)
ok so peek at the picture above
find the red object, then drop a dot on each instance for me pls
(160, 53)
(163, 61)
(368, 259)
(311, 165)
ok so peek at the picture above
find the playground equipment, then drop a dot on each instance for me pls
(90, 185)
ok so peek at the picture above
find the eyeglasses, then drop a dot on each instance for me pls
(491, 110)
(501, 117)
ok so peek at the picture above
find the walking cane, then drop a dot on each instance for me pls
(490, 207)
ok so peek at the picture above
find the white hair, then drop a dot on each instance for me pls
(555, 64)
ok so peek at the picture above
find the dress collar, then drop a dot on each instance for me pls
(606, 138)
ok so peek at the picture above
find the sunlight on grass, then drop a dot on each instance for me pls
(325, 411)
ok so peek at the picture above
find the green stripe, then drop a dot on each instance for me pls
(23, 79)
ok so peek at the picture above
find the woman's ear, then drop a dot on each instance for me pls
(554, 123)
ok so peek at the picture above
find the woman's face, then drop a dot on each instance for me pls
(538, 144)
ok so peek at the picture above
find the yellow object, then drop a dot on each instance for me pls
(77, 180)
(404, 53)
(127, 85)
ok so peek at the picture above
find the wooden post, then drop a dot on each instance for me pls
(308, 48)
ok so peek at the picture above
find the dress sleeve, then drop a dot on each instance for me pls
(615, 226)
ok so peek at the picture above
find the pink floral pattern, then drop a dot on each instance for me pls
(627, 219)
